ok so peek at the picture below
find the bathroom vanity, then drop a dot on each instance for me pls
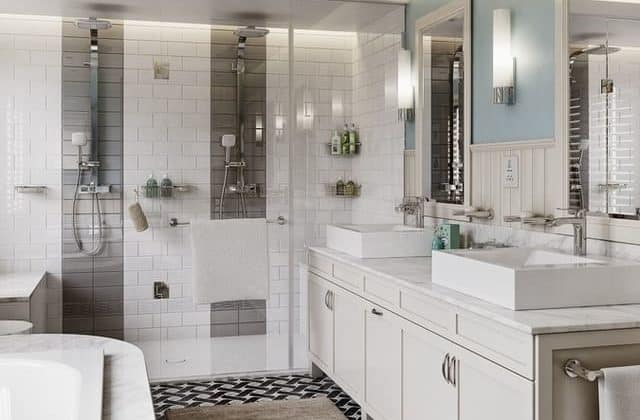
(405, 348)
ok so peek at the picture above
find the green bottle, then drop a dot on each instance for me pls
(166, 187)
(340, 187)
(151, 187)
(345, 140)
(353, 140)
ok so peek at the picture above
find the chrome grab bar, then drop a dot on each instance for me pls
(573, 368)
(173, 222)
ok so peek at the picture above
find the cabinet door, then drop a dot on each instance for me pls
(383, 370)
(321, 322)
(349, 317)
(489, 391)
(427, 395)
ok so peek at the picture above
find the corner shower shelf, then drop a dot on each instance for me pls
(357, 152)
(30, 189)
(157, 191)
(333, 190)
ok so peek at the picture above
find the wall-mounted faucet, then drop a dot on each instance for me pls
(475, 214)
(578, 220)
(413, 206)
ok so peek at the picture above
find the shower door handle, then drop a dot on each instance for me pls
(280, 220)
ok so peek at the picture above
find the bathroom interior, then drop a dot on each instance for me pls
(323, 209)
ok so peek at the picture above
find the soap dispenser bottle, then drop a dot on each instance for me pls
(151, 187)
(166, 187)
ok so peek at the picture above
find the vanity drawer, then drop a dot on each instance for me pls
(383, 289)
(508, 347)
(428, 311)
(321, 263)
(351, 276)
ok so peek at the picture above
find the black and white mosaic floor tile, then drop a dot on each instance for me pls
(248, 390)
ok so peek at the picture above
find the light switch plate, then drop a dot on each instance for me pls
(511, 172)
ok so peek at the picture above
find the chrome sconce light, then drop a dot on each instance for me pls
(504, 90)
(405, 86)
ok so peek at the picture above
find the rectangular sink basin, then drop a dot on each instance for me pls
(525, 278)
(380, 241)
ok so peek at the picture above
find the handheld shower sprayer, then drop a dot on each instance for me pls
(228, 142)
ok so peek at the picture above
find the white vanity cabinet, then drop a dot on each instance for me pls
(428, 392)
(395, 368)
(349, 341)
(383, 368)
(320, 323)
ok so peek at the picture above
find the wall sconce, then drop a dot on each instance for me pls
(405, 86)
(504, 91)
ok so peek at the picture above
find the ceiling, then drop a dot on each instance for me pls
(309, 14)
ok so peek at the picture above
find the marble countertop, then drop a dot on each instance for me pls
(126, 393)
(415, 273)
(18, 287)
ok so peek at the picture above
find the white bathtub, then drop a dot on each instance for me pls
(56, 385)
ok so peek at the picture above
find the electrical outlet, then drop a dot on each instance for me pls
(511, 172)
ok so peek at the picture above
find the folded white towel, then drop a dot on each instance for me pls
(619, 392)
(230, 260)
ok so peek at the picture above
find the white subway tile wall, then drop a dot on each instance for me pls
(166, 132)
(30, 138)
(380, 168)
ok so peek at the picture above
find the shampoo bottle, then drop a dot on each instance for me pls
(353, 140)
(345, 140)
(336, 141)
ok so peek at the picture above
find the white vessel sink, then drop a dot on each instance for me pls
(524, 278)
(380, 241)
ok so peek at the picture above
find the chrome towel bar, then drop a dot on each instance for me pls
(574, 369)
(173, 222)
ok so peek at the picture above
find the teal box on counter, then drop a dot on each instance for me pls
(449, 234)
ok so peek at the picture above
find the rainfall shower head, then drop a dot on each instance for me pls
(251, 32)
(93, 24)
(598, 50)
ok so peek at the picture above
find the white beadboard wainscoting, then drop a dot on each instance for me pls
(539, 188)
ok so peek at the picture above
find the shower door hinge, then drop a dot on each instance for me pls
(606, 86)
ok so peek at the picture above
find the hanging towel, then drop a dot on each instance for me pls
(619, 393)
(230, 260)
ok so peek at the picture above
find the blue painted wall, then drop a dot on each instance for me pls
(532, 117)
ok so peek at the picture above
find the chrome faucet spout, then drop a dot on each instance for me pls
(413, 206)
(579, 223)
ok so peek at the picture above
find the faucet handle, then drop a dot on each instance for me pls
(574, 212)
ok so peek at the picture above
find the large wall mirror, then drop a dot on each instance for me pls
(443, 114)
(604, 107)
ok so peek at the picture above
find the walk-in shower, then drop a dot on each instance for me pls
(237, 162)
(91, 166)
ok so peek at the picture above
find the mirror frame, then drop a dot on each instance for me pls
(423, 146)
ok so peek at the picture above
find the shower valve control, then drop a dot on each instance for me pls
(92, 189)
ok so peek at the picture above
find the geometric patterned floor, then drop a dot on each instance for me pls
(248, 390)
